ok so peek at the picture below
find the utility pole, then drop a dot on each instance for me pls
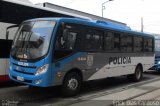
(142, 26)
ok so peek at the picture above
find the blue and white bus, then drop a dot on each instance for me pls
(67, 51)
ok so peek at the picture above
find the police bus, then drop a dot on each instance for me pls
(67, 51)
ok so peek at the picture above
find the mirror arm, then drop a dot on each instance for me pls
(7, 32)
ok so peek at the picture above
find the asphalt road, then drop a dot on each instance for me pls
(24, 95)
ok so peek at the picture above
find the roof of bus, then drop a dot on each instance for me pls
(97, 23)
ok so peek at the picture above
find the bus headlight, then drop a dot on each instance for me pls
(42, 69)
(158, 62)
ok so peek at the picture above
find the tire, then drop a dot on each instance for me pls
(71, 84)
(137, 76)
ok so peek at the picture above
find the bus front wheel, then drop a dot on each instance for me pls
(137, 76)
(71, 84)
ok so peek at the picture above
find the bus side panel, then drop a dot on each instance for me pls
(102, 65)
(114, 64)
(146, 61)
(122, 64)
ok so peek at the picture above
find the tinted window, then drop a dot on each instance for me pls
(93, 40)
(148, 43)
(66, 41)
(66, 38)
(108, 41)
(138, 44)
(116, 42)
(126, 43)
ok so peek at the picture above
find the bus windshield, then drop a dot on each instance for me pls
(32, 40)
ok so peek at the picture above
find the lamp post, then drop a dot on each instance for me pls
(103, 7)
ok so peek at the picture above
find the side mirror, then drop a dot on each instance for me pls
(7, 30)
(26, 28)
(7, 34)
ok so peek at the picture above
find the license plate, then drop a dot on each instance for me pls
(20, 78)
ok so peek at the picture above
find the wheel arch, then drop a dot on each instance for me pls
(77, 70)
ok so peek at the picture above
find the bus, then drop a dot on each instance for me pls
(156, 66)
(68, 51)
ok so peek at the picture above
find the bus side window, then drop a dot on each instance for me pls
(68, 39)
(138, 44)
(93, 40)
(126, 43)
(65, 43)
(116, 42)
(148, 42)
(108, 42)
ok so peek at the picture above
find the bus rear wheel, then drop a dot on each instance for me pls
(137, 76)
(71, 84)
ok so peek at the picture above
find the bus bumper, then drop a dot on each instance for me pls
(40, 80)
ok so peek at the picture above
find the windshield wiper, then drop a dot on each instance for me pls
(27, 49)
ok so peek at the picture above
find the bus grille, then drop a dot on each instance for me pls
(23, 72)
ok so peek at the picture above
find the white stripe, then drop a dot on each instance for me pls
(123, 69)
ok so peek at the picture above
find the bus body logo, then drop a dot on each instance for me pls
(119, 60)
(89, 60)
(23, 64)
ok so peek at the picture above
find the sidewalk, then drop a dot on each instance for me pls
(136, 96)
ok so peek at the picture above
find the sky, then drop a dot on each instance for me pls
(126, 11)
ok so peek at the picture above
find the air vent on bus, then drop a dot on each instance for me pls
(113, 24)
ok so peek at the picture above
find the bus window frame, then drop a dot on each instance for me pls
(132, 43)
(93, 31)
(83, 31)
(59, 32)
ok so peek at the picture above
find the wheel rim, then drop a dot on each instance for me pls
(73, 84)
(138, 73)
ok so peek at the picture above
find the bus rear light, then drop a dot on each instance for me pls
(42, 69)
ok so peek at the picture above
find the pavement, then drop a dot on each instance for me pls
(142, 95)
(139, 94)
